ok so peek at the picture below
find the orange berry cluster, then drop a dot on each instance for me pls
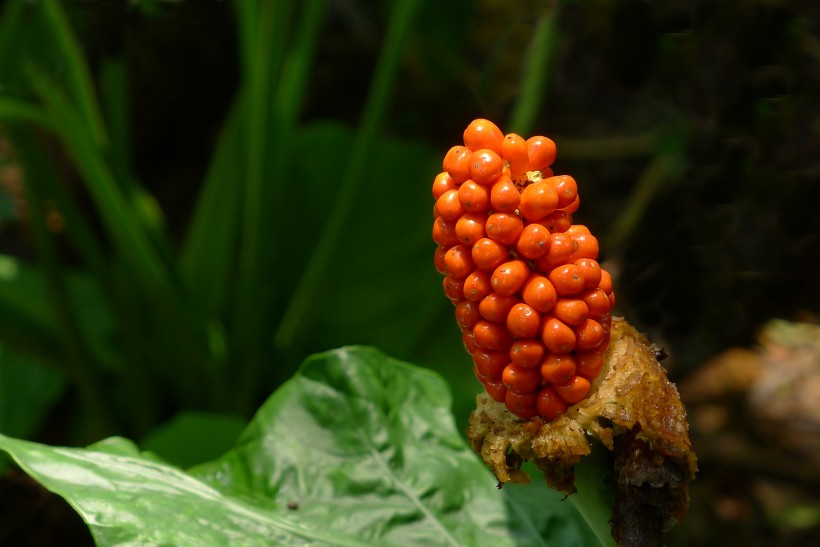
(532, 302)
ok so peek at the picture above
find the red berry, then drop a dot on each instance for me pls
(573, 390)
(572, 311)
(558, 252)
(474, 197)
(558, 337)
(557, 221)
(597, 302)
(539, 293)
(537, 201)
(492, 336)
(504, 196)
(549, 404)
(589, 363)
(586, 246)
(453, 288)
(523, 321)
(459, 262)
(456, 163)
(485, 166)
(591, 270)
(589, 335)
(514, 151)
(496, 390)
(490, 364)
(522, 404)
(534, 241)
(477, 285)
(483, 133)
(470, 227)
(606, 282)
(557, 368)
(567, 279)
(520, 380)
(488, 254)
(565, 187)
(509, 277)
(438, 260)
(444, 233)
(541, 152)
(527, 353)
(449, 207)
(496, 308)
(467, 314)
(504, 228)
(442, 183)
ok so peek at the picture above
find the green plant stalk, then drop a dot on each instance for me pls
(79, 363)
(287, 104)
(298, 314)
(663, 168)
(536, 74)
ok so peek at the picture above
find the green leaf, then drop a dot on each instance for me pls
(356, 449)
(126, 498)
(366, 444)
(27, 391)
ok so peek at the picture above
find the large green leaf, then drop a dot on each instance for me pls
(357, 448)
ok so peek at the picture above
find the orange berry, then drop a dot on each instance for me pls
(453, 288)
(572, 207)
(520, 380)
(572, 311)
(474, 197)
(567, 279)
(527, 353)
(449, 207)
(586, 247)
(509, 277)
(444, 233)
(458, 261)
(470, 228)
(496, 308)
(549, 404)
(442, 183)
(490, 364)
(533, 242)
(488, 254)
(523, 321)
(557, 221)
(591, 270)
(477, 286)
(606, 282)
(504, 196)
(597, 302)
(558, 253)
(468, 340)
(485, 166)
(557, 368)
(538, 200)
(438, 259)
(589, 335)
(589, 363)
(573, 390)
(612, 300)
(565, 187)
(558, 337)
(483, 133)
(577, 229)
(514, 151)
(539, 293)
(456, 163)
(467, 314)
(521, 404)
(504, 228)
(541, 152)
(492, 336)
(496, 390)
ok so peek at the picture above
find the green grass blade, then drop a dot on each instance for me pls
(297, 314)
(536, 74)
(13, 110)
(79, 75)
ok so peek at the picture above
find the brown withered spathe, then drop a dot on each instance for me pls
(634, 411)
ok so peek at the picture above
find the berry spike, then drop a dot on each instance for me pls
(531, 299)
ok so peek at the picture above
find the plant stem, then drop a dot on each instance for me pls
(596, 495)
(537, 69)
(298, 313)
